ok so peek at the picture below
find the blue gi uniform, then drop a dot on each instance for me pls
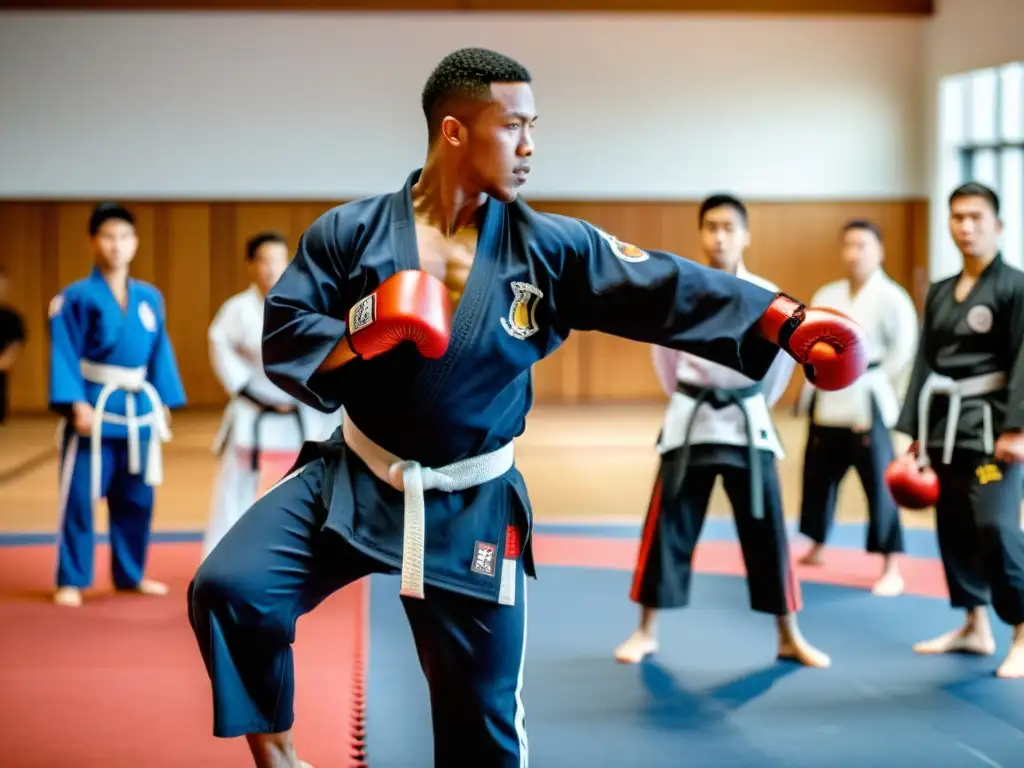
(535, 277)
(120, 361)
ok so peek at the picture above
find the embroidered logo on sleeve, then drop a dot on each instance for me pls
(484, 561)
(363, 314)
(979, 319)
(625, 251)
(521, 322)
(56, 305)
(147, 317)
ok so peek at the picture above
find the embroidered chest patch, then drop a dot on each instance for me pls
(147, 317)
(521, 322)
(979, 318)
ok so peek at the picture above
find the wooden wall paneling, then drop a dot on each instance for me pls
(303, 217)
(50, 266)
(73, 260)
(144, 265)
(188, 295)
(884, 7)
(920, 273)
(194, 252)
(24, 227)
(223, 267)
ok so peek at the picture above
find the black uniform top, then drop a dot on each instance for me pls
(982, 334)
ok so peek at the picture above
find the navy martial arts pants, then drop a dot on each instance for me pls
(129, 504)
(664, 566)
(829, 454)
(977, 519)
(278, 563)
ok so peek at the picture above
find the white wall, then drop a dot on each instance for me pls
(327, 106)
(963, 36)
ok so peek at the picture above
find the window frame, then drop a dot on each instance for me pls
(967, 149)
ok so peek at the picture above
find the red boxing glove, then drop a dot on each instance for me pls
(828, 344)
(912, 487)
(409, 306)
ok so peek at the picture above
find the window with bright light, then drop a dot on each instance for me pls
(982, 121)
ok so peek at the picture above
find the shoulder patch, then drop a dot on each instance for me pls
(56, 305)
(625, 251)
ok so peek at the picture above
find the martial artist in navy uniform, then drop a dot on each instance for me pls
(114, 379)
(420, 479)
(965, 411)
(850, 428)
(718, 422)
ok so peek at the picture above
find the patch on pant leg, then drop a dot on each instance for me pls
(484, 558)
(988, 473)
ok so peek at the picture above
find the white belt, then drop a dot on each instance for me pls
(956, 390)
(130, 381)
(413, 480)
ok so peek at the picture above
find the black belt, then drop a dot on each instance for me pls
(264, 409)
(717, 398)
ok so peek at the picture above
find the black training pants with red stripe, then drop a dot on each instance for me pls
(664, 566)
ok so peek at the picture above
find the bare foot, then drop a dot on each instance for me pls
(967, 639)
(813, 556)
(793, 645)
(151, 588)
(890, 585)
(1013, 666)
(637, 647)
(798, 649)
(68, 597)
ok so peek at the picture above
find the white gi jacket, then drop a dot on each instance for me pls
(235, 343)
(720, 426)
(888, 318)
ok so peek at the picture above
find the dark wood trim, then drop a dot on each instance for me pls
(770, 7)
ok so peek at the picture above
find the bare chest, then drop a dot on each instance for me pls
(449, 260)
(963, 287)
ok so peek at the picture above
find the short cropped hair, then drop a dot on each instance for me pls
(257, 241)
(719, 200)
(864, 225)
(976, 189)
(466, 74)
(108, 211)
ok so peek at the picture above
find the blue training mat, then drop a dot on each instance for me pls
(715, 696)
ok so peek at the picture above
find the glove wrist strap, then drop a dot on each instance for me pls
(783, 317)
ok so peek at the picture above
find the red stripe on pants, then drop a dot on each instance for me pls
(647, 540)
(794, 603)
